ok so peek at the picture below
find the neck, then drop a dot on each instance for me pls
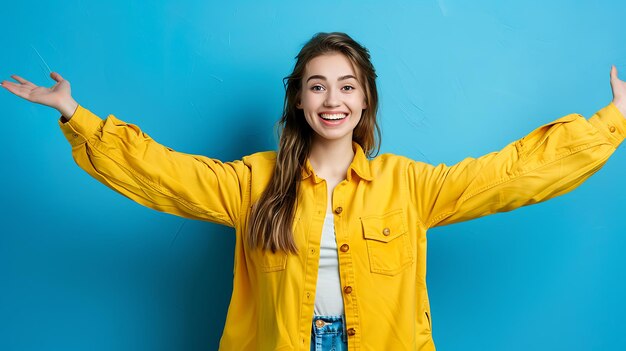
(331, 159)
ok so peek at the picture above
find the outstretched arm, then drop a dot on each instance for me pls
(127, 160)
(552, 160)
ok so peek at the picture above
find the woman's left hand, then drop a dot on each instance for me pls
(619, 91)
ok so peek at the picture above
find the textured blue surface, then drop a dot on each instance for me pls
(84, 268)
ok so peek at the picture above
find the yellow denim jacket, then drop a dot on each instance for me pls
(382, 211)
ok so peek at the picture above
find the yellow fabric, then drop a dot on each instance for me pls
(387, 205)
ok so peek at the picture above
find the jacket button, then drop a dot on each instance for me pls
(344, 248)
(612, 129)
(386, 231)
(74, 135)
(351, 331)
(347, 289)
(338, 210)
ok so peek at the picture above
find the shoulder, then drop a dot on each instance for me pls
(388, 159)
(261, 168)
(389, 165)
(260, 159)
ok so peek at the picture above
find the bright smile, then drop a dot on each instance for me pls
(332, 119)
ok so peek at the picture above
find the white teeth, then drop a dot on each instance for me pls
(333, 116)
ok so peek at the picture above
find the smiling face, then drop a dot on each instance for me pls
(332, 98)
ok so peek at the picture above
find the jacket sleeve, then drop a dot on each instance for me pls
(550, 161)
(127, 160)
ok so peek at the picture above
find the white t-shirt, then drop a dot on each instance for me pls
(328, 297)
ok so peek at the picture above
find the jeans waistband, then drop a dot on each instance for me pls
(329, 325)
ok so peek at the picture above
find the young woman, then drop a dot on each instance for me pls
(331, 244)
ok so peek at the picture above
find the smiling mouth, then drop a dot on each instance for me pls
(333, 117)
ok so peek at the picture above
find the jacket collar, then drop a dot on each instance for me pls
(360, 165)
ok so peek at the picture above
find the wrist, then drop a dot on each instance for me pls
(67, 108)
(621, 106)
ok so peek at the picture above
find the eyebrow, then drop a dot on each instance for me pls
(317, 76)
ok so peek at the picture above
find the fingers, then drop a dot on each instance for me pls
(613, 73)
(20, 79)
(613, 81)
(17, 89)
(57, 77)
(9, 85)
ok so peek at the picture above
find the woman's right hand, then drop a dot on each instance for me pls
(59, 96)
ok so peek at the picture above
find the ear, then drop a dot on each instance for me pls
(299, 105)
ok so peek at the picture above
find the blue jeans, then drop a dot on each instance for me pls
(328, 334)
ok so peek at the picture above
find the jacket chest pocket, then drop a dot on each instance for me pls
(388, 244)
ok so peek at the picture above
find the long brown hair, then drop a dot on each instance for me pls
(271, 218)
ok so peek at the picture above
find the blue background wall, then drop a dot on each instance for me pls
(83, 267)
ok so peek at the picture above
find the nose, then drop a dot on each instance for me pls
(331, 98)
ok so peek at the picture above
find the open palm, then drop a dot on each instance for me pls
(46, 96)
(618, 88)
